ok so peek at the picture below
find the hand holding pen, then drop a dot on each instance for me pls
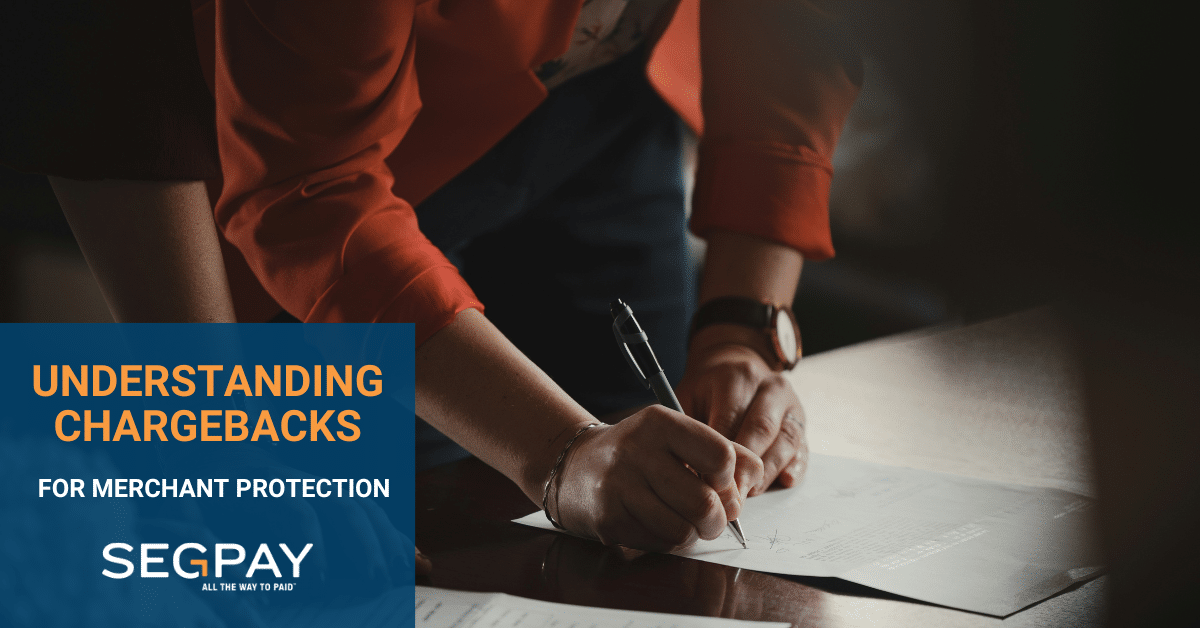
(640, 356)
(629, 484)
(656, 480)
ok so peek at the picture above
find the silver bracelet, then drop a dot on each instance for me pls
(554, 471)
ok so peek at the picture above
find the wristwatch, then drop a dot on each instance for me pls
(776, 321)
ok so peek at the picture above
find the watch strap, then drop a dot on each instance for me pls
(735, 310)
(754, 314)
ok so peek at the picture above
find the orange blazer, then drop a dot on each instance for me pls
(333, 121)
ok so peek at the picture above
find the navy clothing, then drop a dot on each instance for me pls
(591, 180)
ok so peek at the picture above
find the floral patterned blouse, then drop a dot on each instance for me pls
(606, 29)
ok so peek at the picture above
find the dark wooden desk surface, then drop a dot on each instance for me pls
(998, 400)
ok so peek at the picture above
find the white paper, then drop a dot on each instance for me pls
(442, 608)
(979, 546)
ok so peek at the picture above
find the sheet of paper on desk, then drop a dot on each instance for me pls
(969, 544)
(443, 608)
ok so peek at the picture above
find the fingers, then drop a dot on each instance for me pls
(728, 401)
(693, 442)
(660, 528)
(773, 428)
(617, 515)
(720, 384)
(781, 452)
(748, 472)
(708, 453)
(793, 473)
(742, 399)
(759, 430)
(695, 502)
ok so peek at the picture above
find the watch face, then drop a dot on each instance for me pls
(785, 332)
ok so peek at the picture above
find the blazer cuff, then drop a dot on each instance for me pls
(770, 190)
(430, 297)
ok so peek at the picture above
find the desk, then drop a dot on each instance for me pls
(997, 400)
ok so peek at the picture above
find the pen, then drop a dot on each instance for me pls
(636, 347)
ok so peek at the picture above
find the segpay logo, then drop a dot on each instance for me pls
(224, 555)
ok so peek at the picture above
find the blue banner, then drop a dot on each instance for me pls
(206, 475)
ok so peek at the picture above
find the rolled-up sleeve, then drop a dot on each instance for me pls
(311, 98)
(778, 79)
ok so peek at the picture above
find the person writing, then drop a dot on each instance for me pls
(409, 162)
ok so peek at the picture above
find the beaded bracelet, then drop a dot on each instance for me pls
(554, 471)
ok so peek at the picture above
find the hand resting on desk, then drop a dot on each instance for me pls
(729, 386)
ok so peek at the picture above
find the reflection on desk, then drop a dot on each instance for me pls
(443, 608)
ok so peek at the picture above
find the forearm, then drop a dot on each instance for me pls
(746, 266)
(482, 392)
(152, 246)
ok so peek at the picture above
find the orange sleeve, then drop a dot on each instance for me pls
(310, 100)
(778, 79)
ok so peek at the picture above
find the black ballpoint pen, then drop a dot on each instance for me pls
(636, 347)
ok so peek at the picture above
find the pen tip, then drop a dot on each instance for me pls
(616, 307)
(735, 526)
